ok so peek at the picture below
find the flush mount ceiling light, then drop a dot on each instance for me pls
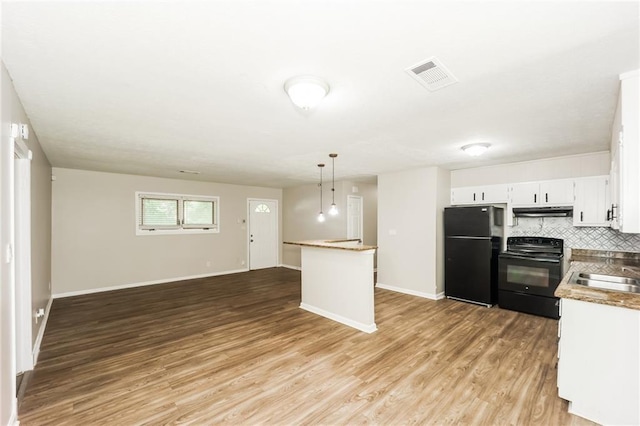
(476, 149)
(306, 92)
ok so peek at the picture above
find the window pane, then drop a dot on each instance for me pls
(158, 212)
(198, 212)
(262, 208)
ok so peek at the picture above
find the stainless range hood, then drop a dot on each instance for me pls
(543, 211)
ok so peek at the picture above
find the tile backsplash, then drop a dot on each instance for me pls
(592, 238)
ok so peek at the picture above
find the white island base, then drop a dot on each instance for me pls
(337, 282)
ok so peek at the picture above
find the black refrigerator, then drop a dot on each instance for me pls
(472, 244)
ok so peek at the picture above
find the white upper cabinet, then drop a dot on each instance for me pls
(592, 204)
(546, 193)
(525, 193)
(625, 156)
(480, 194)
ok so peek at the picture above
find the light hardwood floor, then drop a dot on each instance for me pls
(237, 349)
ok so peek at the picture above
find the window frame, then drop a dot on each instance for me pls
(180, 227)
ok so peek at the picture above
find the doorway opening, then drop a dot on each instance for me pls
(354, 217)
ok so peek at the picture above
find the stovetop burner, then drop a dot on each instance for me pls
(535, 248)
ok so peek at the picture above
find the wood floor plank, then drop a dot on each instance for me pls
(237, 349)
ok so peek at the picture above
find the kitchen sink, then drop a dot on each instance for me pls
(610, 278)
(607, 282)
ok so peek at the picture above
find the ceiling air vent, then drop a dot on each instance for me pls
(432, 74)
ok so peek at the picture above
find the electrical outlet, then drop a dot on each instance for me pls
(242, 262)
(208, 263)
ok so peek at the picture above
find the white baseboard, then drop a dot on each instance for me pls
(431, 296)
(41, 330)
(13, 419)
(144, 283)
(297, 268)
(367, 328)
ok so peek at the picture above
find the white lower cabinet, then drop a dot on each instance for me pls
(599, 362)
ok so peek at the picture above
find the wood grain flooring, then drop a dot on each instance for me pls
(237, 349)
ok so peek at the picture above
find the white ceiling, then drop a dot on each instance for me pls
(155, 87)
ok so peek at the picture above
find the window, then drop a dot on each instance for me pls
(262, 208)
(158, 214)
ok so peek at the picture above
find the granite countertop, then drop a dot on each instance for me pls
(601, 262)
(343, 244)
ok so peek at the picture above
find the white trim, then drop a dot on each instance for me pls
(22, 236)
(297, 268)
(23, 151)
(43, 326)
(13, 419)
(431, 296)
(629, 74)
(144, 283)
(367, 328)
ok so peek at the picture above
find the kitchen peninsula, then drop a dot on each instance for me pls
(337, 281)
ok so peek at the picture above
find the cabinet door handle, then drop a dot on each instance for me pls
(535, 198)
(581, 216)
(474, 196)
(483, 196)
(546, 197)
(608, 215)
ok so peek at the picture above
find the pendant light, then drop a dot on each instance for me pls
(333, 210)
(320, 215)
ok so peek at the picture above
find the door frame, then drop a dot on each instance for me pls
(248, 229)
(22, 278)
(359, 197)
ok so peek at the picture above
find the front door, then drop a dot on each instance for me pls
(263, 234)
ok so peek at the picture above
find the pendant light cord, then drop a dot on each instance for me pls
(320, 189)
(333, 180)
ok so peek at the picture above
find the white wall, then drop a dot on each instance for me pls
(410, 230)
(301, 205)
(592, 164)
(95, 245)
(13, 112)
(40, 231)
(8, 409)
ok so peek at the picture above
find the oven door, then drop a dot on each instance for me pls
(538, 276)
